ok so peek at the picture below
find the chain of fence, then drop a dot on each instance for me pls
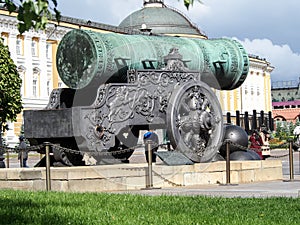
(246, 148)
(41, 147)
(35, 148)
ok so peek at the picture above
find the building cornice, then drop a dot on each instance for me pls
(259, 63)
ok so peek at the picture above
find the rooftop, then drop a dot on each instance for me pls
(160, 19)
(285, 84)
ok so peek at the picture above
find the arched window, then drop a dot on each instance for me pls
(19, 45)
(35, 47)
(48, 50)
(36, 82)
(22, 72)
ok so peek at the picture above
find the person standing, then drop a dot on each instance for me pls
(265, 136)
(256, 143)
(296, 133)
(153, 137)
(23, 153)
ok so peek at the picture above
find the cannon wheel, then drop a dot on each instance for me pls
(126, 140)
(195, 122)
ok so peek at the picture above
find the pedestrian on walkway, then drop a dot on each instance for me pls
(265, 136)
(296, 144)
(23, 153)
(152, 136)
(256, 143)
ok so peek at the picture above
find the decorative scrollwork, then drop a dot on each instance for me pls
(101, 95)
(145, 105)
(54, 99)
(194, 121)
(173, 61)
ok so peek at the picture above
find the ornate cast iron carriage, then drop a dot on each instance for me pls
(121, 84)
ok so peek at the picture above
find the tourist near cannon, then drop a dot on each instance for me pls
(121, 84)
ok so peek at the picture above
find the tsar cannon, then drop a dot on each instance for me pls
(121, 84)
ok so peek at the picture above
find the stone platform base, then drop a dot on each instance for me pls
(122, 177)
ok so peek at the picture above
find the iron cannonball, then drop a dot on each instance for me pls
(235, 135)
(244, 155)
(254, 154)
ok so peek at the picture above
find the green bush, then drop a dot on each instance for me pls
(284, 130)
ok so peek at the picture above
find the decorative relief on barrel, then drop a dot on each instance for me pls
(109, 58)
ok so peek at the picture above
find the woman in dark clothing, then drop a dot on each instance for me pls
(256, 143)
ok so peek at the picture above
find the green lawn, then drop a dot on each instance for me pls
(22, 207)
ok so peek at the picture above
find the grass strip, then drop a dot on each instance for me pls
(24, 207)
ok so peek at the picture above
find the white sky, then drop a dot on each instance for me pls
(267, 28)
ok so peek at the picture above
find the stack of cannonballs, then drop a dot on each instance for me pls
(238, 139)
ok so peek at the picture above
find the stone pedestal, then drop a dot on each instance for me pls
(122, 177)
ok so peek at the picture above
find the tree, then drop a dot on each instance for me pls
(188, 3)
(35, 13)
(10, 85)
(32, 13)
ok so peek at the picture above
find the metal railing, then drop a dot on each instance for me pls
(45, 148)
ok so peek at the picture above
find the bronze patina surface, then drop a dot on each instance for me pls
(87, 58)
(121, 84)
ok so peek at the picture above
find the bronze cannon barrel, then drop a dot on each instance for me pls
(87, 58)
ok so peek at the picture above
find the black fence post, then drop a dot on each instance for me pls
(228, 117)
(262, 118)
(7, 159)
(227, 162)
(246, 122)
(291, 160)
(48, 177)
(149, 176)
(149, 180)
(271, 122)
(237, 118)
(254, 120)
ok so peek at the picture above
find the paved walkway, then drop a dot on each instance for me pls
(257, 190)
(282, 188)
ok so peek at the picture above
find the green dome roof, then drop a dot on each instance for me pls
(161, 20)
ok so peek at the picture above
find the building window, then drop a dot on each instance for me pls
(48, 87)
(19, 45)
(34, 87)
(48, 50)
(21, 71)
(252, 90)
(34, 47)
(36, 82)
(4, 37)
(59, 84)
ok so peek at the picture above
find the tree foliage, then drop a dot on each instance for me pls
(284, 129)
(189, 3)
(32, 13)
(10, 85)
